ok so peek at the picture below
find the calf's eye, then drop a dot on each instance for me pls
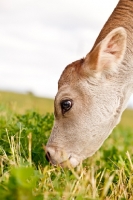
(66, 105)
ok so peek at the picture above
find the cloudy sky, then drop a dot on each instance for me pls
(38, 38)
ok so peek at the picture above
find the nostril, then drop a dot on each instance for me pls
(50, 153)
(48, 156)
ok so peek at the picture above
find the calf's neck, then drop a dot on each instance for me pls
(93, 92)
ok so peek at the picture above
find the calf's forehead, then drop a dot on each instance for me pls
(71, 74)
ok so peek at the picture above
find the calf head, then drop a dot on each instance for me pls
(87, 105)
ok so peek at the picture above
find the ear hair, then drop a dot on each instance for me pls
(108, 54)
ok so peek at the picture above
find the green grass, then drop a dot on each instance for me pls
(20, 103)
(26, 175)
(127, 119)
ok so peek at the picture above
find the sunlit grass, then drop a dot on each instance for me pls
(127, 119)
(20, 103)
(106, 175)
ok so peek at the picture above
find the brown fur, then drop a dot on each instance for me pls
(71, 73)
(122, 16)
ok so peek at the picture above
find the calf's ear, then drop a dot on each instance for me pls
(108, 53)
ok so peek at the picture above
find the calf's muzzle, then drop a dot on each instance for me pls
(57, 156)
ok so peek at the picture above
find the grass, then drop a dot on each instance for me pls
(127, 119)
(25, 174)
(20, 103)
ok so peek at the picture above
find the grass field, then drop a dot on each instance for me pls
(20, 103)
(25, 174)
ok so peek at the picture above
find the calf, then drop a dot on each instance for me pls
(94, 91)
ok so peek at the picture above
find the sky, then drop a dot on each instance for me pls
(39, 38)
